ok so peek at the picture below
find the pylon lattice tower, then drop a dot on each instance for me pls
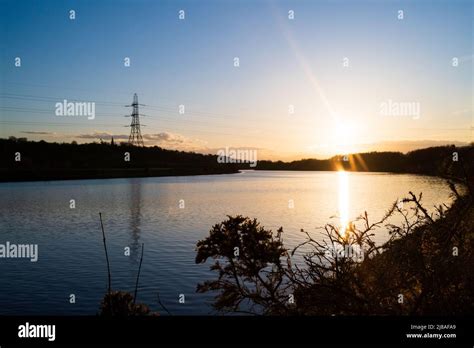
(135, 137)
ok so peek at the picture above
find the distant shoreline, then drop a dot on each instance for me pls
(41, 161)
(108, 173)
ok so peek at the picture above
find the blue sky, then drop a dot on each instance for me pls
(282, 62)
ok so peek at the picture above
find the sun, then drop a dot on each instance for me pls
(344, 132)
(345, 135)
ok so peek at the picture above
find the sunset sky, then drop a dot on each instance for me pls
(283, 62)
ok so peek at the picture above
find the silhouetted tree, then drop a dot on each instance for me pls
(251, 255)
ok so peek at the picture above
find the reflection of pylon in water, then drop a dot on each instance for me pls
(135, 137)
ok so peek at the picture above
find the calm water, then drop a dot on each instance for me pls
(146, 210)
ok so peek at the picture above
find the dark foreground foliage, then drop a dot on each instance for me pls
(122, 304)
(425, 268)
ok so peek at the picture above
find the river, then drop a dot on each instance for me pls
(169, 215)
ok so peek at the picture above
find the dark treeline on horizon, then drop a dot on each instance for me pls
(440, 161)
(40, 160)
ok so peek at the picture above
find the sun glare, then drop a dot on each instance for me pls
(343, 132)
(343, 201)
(344, 136)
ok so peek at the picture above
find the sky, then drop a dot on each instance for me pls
(339, 77)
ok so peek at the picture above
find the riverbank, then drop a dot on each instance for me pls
(428, 265)
(106, 173)
(442, 161)
(41, 161)
(32, 161)
(423, 269)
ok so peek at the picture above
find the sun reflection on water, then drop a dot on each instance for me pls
(343, 201)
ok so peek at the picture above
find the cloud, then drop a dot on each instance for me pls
(175, 141)
(38, 133)
(164, 139)
(102, 135)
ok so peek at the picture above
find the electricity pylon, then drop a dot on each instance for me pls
(135, 137)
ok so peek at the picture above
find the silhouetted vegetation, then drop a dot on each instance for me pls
(423, 269)
(431, 161)
(53, 161)
(248, 249)
(121, 303)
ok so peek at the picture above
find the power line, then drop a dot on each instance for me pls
(201, 113)
(218, 121)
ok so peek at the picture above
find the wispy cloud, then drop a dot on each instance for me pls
(37, 133)
(102, 135)
(164, 139)
(175, 141)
